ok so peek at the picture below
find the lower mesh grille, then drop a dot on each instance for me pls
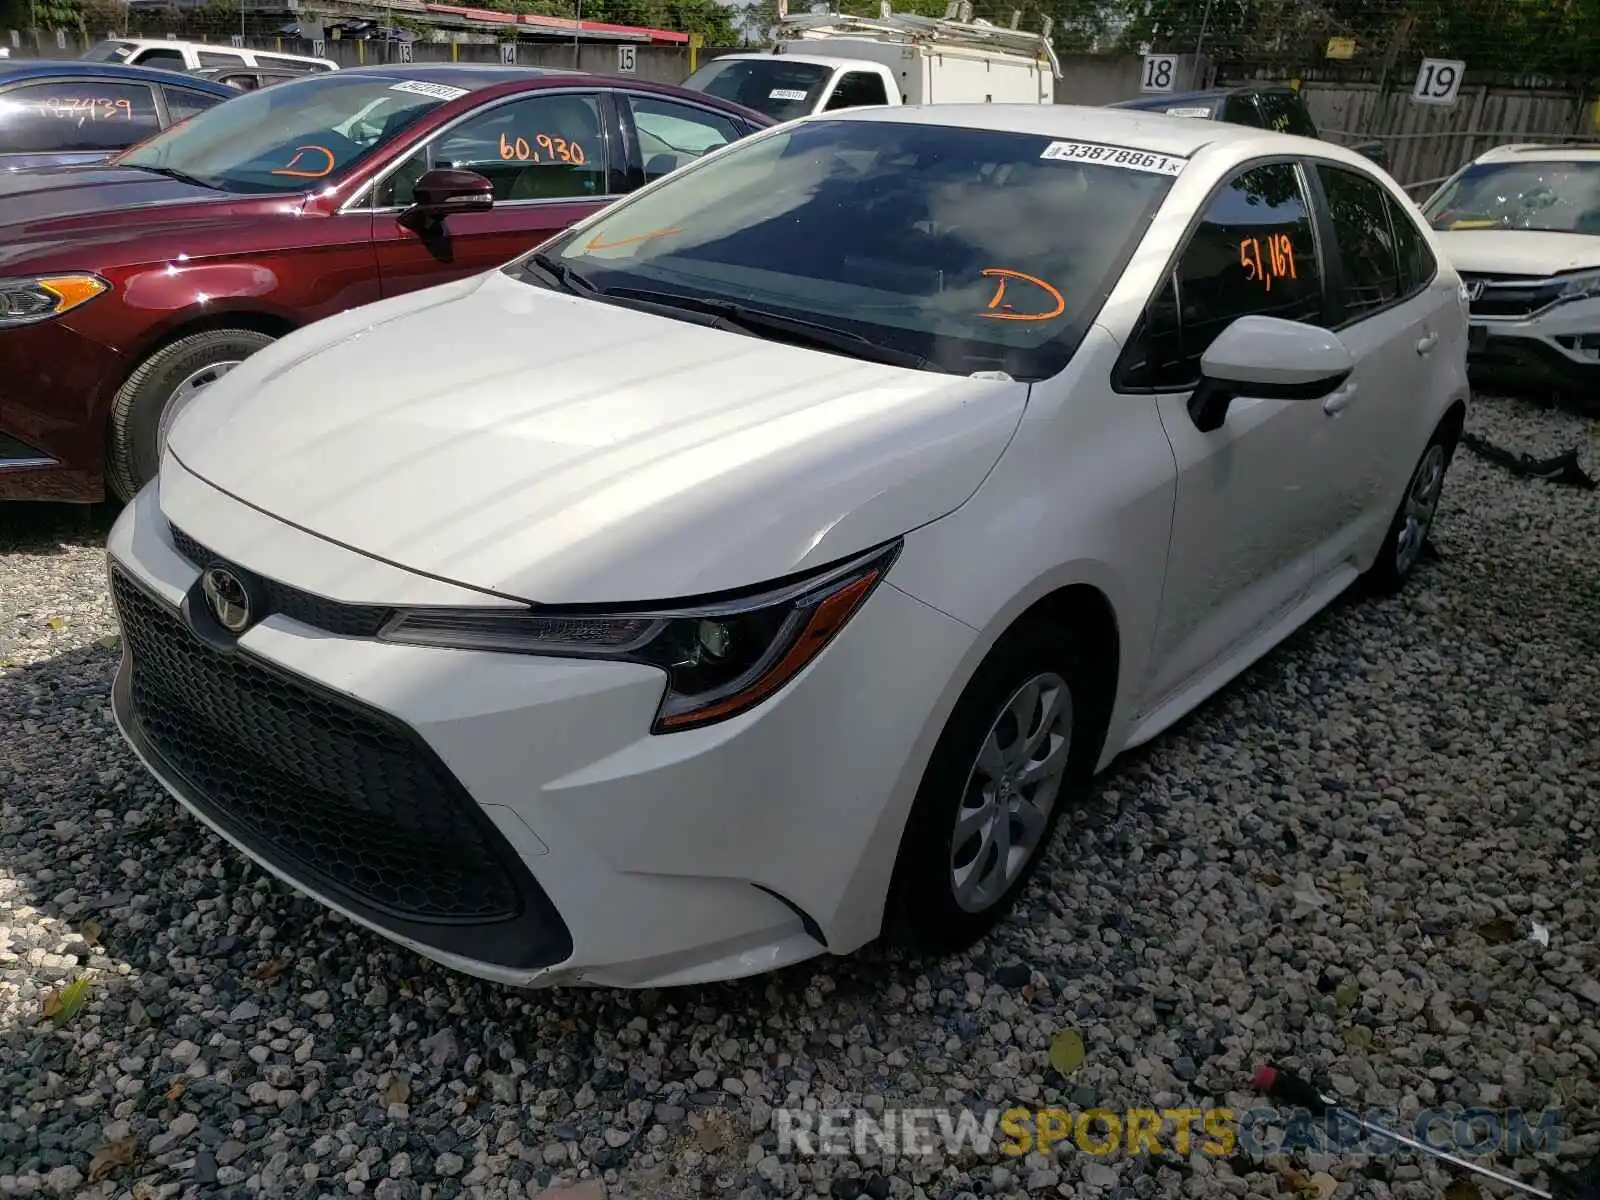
(333, 793)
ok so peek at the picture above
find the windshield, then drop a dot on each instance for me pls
(293, 135)
(1561, 197)
(973, 249)
(774, 86)
(108, 52)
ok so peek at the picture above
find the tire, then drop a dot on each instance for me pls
(133, 453)
(939, 900)
(1413, 520)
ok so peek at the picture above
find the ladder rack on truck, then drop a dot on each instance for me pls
(934, 32)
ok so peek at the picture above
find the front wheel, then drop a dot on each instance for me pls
(163, 381)
(1408, 532)
(1008, 761)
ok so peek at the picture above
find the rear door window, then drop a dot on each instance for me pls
(167, 60)
(183, 103)
(220, 58)
(858, 89)
(1417, 265)
(672, 134)
(76, 116)
(1369, 275)
(1284, 113)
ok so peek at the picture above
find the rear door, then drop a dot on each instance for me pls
(1390, 322)
(74, 120)
(553, 157)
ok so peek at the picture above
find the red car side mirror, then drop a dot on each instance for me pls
(445, 190)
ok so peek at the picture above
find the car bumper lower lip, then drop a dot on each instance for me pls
(633, 859)
(1522, 356)
(52, 422)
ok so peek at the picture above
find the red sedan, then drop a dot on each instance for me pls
(125, 286)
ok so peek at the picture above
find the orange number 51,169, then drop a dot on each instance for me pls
(1268, 260)
(544, 148)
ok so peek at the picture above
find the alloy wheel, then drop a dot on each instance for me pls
(1011, 791)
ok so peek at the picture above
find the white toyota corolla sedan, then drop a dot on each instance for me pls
(766, 563)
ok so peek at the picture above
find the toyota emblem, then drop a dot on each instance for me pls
(227, 599)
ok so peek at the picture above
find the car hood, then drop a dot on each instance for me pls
(1519, 251)
(558, 450)
(46, 209)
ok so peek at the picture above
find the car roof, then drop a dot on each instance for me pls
(814, 60)
(1204, 96)
(1123, 127)
(1540, 152)
(145, 43)
(51, 68)
(472, 76)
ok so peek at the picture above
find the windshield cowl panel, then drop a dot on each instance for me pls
(301, 136)
(958, 250)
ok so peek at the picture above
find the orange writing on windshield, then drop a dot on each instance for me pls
(545, 147)
(309, 162)
(596, 242)
(1001, 309)
(1264, 262)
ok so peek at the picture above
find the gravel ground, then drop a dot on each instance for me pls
(1390, 801)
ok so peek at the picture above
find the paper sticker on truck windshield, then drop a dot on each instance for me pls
(1114, 156)
(439, 91)
(786, 94)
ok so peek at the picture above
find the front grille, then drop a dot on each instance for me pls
(334, 793)
(1513, 296)
(347, 620)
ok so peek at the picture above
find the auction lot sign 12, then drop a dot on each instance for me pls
(1438, 81)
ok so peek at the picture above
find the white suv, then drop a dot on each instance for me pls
(1522, 226)
(193, 56)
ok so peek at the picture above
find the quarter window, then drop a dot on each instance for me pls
(1253, 253)
(671, 135)
(541, 148)
(91, 115)
(1369, 269)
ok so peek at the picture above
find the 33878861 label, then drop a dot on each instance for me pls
(1126, 157)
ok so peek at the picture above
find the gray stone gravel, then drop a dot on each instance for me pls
(1388, 802)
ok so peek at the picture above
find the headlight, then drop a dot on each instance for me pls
(25, 301)
(721, 658)
(1581, 286)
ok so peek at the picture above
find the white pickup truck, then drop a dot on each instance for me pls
(824, 62)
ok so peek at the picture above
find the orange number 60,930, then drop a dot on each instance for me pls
(554, 149)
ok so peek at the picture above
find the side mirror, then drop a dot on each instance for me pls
(443, 191)
(1270, 359)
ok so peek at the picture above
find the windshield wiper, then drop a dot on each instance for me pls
(794, 330)
(170, 173)
(561, 274)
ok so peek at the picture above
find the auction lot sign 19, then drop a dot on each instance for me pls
(1438, 81)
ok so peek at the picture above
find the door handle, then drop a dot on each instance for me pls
(1340, 400)
(1426, 343)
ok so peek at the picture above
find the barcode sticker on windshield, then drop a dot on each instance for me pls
(786, 94)
(1114, 156)
(439, 91)
(1189, 112)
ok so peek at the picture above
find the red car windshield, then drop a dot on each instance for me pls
(292, 136)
